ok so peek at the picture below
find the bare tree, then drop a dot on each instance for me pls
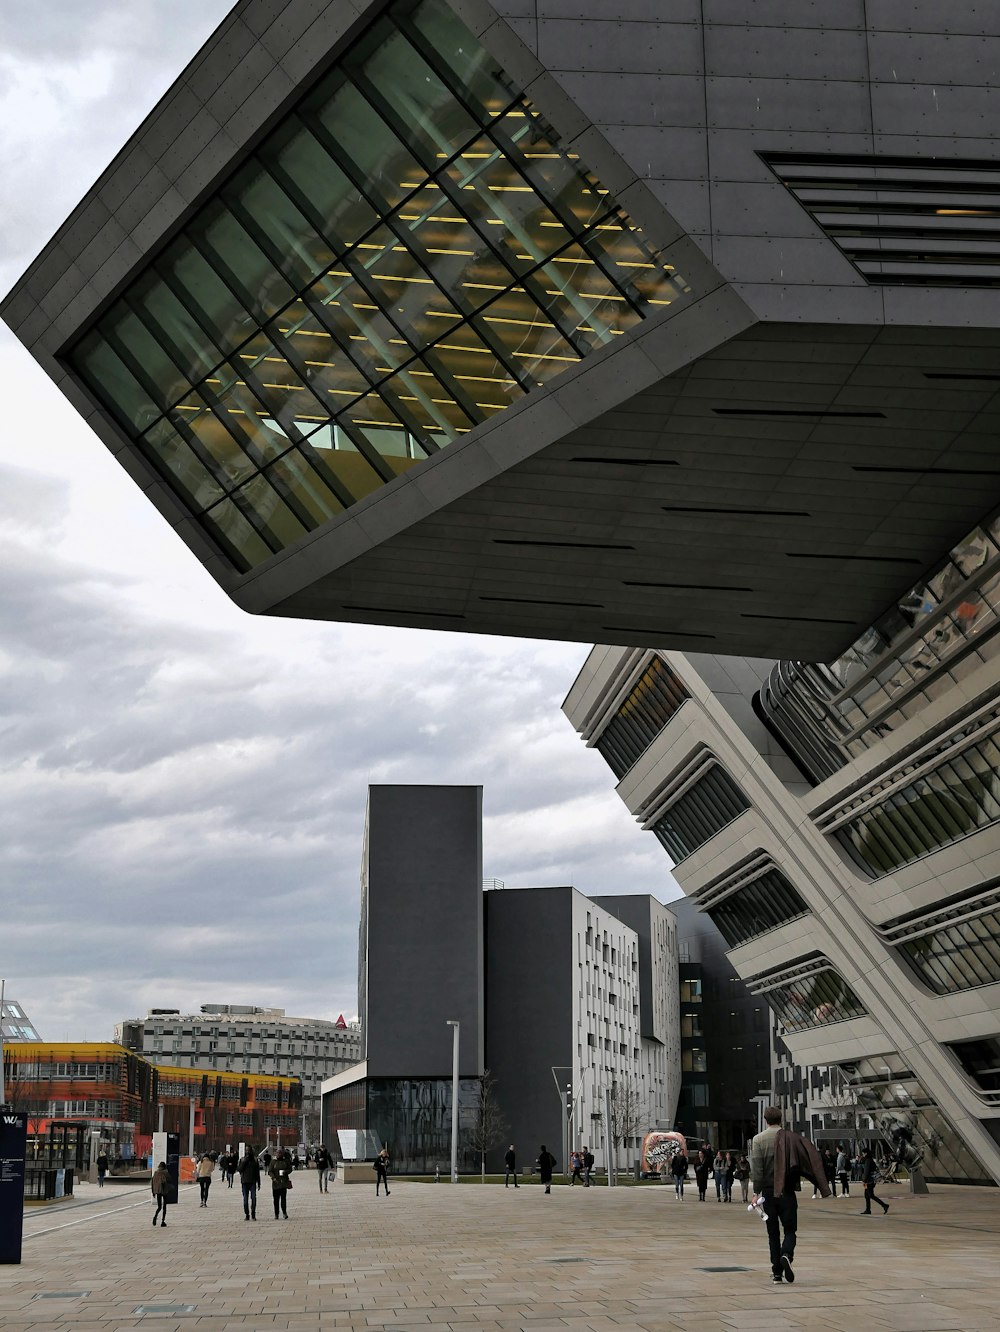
(626, 1114)
(27, 1095)
(489, 1125)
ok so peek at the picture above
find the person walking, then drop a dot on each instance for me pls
(679, 1170)
(546, 1165)
(869, 1176)
(324, 1164)
(204, 1177)
(844, 1171)
(778, 1159)
(588, 1165)
(576, 1161)
(701, 1169)
(280, 1172)
(509, 1166)
(381, 1168)
(102, 1168)
(728, 1177)
(718, 1173)
(160, 1185)
(742, 1173)
(830, 1166)
(249, 1169)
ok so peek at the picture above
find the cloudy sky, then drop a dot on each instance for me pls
(182, 784)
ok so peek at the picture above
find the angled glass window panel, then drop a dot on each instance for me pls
(425, 112)
(173, 455)
(574, 194)
(632, 265)
(385, 429)
(271, 515)
(515, 315)
(539, 349)
(229, 526)
(504, 206)
(301, 335)
(473, 366)
(244, 414)
(293, 475)
(201, 290)
(126, 332)
(580, 297)
(222, 448)
(240, 260)
(268, 213)
(172, 324)
(113, 382)
(280, 387)
(424, 400)
(304, 168)
(482, 82)
(349, 471)
(355, 317)
(369, 149)
(448, 248)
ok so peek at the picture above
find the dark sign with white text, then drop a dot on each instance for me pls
(13, 1142)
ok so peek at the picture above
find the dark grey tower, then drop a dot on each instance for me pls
(422, 930)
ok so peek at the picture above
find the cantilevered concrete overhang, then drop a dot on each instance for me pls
(760, 469)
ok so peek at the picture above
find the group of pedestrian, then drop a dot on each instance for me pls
(581, 1166)
(278, 1169)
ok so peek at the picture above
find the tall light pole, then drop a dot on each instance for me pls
(453, 1023)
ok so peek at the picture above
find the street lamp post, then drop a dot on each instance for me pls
(456, 1026)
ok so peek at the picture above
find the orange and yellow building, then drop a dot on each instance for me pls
(122, 1094)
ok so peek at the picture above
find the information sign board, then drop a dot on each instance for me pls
(13, 1144)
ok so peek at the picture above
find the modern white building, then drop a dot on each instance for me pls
(235, 1038)
(15, 1025)
(839, 826)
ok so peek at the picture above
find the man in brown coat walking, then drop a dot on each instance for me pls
(778, 1160)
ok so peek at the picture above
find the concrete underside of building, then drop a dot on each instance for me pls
(748, 437)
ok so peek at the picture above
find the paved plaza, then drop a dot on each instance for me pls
(477, 1257)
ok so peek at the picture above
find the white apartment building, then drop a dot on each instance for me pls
(237, 1038)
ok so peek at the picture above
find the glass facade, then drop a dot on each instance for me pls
(938, 632)
(408, 253)
(957, 795)
(814, 1000)
(411, 1116)
(888, 1093)
(959, 956)
(651, 702)
(981, 1061)
(766, 902)
(704, 809)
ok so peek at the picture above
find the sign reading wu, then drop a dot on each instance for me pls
(13, 1146)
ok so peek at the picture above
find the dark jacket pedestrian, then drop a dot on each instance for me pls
(869, 1176)
(102, 1168)
(280, 1173)
(509, 1166)
(679, 1170)
(324, 1164)
(844, 1171)
(588, 1165)
(161, 1186)
(546, 1165)
(742, 1174)
(381, 1166)
(249, 1169)
(702, 1165)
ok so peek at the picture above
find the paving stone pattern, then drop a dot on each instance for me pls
(476, 1257)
